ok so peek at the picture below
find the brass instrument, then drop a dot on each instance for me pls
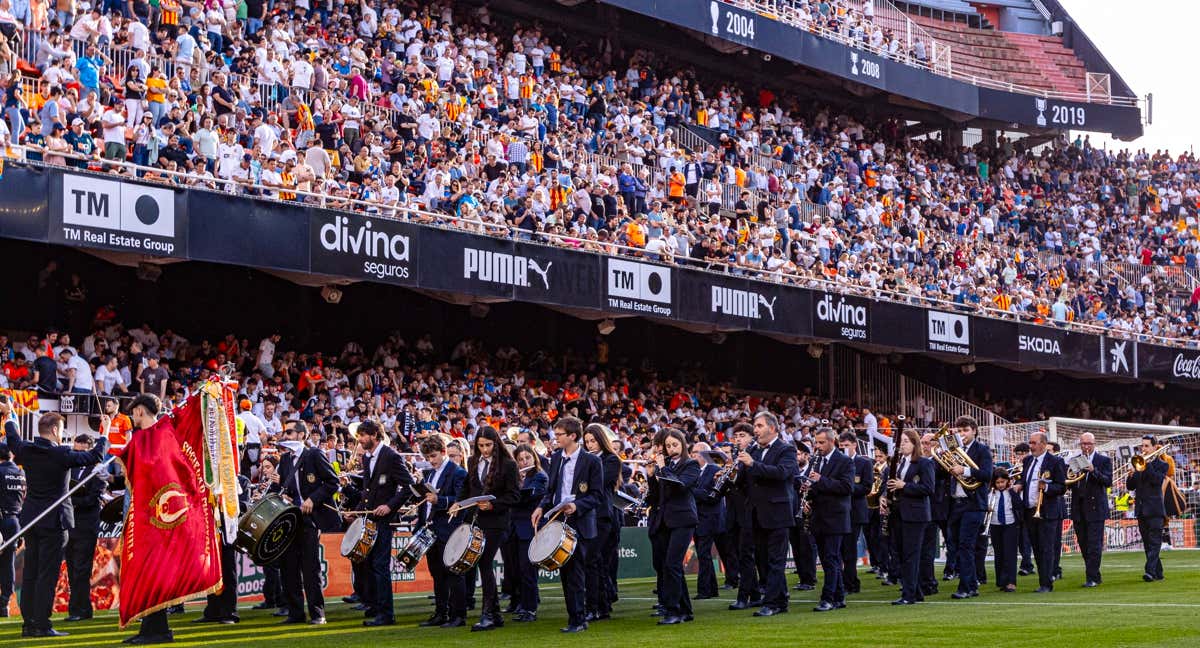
(1015, 471)
(876, 492)
(1037, 512)
(1076, 469)
(953, 456)
(1139, 462)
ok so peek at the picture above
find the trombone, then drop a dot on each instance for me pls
(1139, 462)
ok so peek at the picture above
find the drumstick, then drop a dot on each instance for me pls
(340, 511)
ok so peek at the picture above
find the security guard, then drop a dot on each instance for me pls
(81, 541)
(12, 497)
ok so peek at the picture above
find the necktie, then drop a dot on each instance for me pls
(483, 470)
(819, 464)
(367, 468)
(903, 468)
(1000, 505)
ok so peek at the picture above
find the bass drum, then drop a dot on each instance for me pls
(267, 529)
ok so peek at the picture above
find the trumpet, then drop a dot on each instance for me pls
(1139, 462)
(953, 456)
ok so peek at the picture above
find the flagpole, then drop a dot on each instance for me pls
(77, 486)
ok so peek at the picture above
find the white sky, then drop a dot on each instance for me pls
(1149, 44)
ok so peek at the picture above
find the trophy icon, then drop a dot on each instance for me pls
(1040, 104)
(715, 11)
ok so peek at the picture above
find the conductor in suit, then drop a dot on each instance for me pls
(968, 507)
(830, 484)
(385, 486)
(576, 479)
(1089, 507)
(81, 540)
(307, 479)
(1147, 488)
(710, 513)
(1045, 479)
(908, 496)
(860, 515)
(444, 479)
(769, 467)
(48, 467)
(673, 520)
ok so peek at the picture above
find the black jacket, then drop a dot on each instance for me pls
(831, 495)
(1146, 487)
(388, 483)
(672, 504)
(86, 500)
(12, 489)
(768, 483)
(48, 473)
(311, 477)
(586, 488)
(1056, 487)
(448, 485)
(982, 456)
(864, 476)
(612, 472)
(912, 501)
(1089, 496)
(533, 488)
(709, 510)
(505, 488)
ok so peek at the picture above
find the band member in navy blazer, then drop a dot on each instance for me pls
(860, 515)
(939, 509)
(769, 468)
(804, 550)
(597, 441)
(1044, 477)
(576, 480)
(830, 484)
(908, 497)
(673, 519)
(710, 511)
(737, 518)
(967, 507)
(445, 478)
(1089, 507)
(533, 489)
(490, 471)
(1007, 513)
(1147, 488)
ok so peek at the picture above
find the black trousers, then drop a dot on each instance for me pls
(1004, 548)
(377, 586)
(874, 542)
(573, 575)
(1026, 548)
(951, 548)
(492, 541)
(611, 546)
(301, 571)
(154, 625)
(669, 550)
(909, 538)
(80, 556)
(1042, 537)
(1090, 535)
(527, 585)
(772, 545)
(512, 576)
(361, 571)
(963, 529)
(830, 547)
(804, 554)
(747, 566)
(9, 525)
(596, 569)
(224, 605)
(449, 594)
(1151, 530)
(273, 584)
(727, 549)
(1058, 550)
(981, 549)
(43, 554)
(850, 559)
(929, 545)
(706, 575)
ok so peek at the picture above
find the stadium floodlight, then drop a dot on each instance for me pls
(606, 326)
(331, 294)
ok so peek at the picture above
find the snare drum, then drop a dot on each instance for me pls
(463, 548)
(417, 546)
(267, 529)
(359, 538)
(552, 546)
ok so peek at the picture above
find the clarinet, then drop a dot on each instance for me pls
(893, 465)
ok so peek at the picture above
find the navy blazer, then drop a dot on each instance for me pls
(387, 484)
(864, 476)
(768, 483)
(1056, 486)
(533, 489)
(939, 502)
(912, 501)
(982, 456)
(710, 510)
(831, 495)
(506, 491)
(586, 488)
(1146, 487)
(672, 505)
(1089, 496)
(611, 464)
(47, 473)
(447, 488)
(317, 482)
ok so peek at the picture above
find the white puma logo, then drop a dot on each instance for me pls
(542, 272)
(770, 306)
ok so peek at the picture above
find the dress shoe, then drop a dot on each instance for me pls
(292, 620)
(574, 628)
(902, 601)
(755, 602)
(887, 582)
(687, 618)
(1147, 577)
(704, 597)
(378, 621)
(525, 617)
(671, 619)
(484, 624)
(317, 621)
(1090, 584)
(202, 619)
(512, 608)
(839, 605)
(1010, 588)
(470, 605)
(229, 621)
(739, 605)
(455, 622)
(929, 591)
(856, 590)
(949, 576)
(435, 620)
(803, 587)
(145, 640)
(369, 613)
(262, 606)
(825, 606)
(1024, 572)
(359, 606)
(767, 610)
(601, 616)
(1044, 590)
(48, 632)
(958, 596)
(353, 598)
(729, 586)
(281, 612)
(656, 613)
(175, 609)
(73, 618)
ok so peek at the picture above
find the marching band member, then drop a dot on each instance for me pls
(1044, 481)
(831, 481)
(491, 471)
(1020, 451)
(967, 508)
(533, 488)
(307, 479)
(737, 511)
(385, 484)
(939, 513)
(1089, 507)
(804, 550)
(1147, 488)
(81, 540)
(878, 547)
(710, 512)
(770, 467)
(445, 479)
(859, 513)
(576, 479)
(910, 489)
(222, 608)
(596, 440)
(673, 519)
(1005, 529)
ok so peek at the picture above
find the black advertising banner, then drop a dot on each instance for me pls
(1118, 357)
(1050, 346)
(733, 303)
(241, 231)
(782, 308)
(475, 265)
(841, 317)
(98, 212)
(897, 325)
(1056, 113)
(948, 332)
(361, 247)
(24, 213)
(1168, 364)
(559, 276)
(639, 288)
(994, 339)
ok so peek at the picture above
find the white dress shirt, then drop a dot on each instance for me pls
(958, 491)
(568, 474)
(1035, 476)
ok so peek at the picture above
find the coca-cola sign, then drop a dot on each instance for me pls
(1186, 366)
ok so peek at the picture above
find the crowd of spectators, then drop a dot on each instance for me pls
(516, 130)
